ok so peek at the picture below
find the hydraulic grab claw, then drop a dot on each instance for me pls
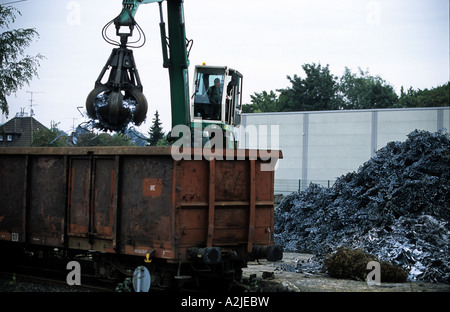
(118, 101)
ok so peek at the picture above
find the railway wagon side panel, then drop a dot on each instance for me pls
(46, 200)
(32, 199)
(264, 198)
(191, 202)
(134, 201)
(222, 203)
(13, 183)
(92, 202)
(147, 206)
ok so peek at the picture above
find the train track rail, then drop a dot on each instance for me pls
(25, 278)
(20, 278)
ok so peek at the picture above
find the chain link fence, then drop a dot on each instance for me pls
(284, 187)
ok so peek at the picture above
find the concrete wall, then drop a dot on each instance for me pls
(321, 146)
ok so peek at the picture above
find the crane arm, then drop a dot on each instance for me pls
(129, 9)
(120, 100)
(176, 59)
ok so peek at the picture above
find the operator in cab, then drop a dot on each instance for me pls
(214, 93)
(215, 98)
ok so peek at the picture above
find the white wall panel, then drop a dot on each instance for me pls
(321, 146)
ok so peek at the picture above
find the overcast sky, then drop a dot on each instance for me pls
(406, 42)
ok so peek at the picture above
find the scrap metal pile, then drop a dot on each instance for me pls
(396, 206)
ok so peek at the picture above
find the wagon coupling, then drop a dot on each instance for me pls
(271, 253)
(209, 255)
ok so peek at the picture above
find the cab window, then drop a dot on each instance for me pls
(208, 96)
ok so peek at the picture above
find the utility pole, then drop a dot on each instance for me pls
(32, 113)
(31, 101)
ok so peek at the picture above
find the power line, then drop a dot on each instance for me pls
(12, 2)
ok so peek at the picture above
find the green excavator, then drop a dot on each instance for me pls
(115, 103)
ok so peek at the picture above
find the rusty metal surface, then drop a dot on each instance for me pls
(146, 205)
(133, 150)
(229, 203)
(46, 200)
(134, 200)
(97, 150)
(92, 202)
(13, 177)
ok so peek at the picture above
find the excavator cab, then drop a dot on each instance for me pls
(216, 101)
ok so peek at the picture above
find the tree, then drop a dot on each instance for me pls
(117, 139)
(318, 91)
(365, 91)
(436, 97)
(155, 131)
(163, 142)
(52, 137)
(103, 139)
(16, 68)
(262, 102)
(321, 90)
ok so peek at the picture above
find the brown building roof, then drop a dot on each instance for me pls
(18, 132)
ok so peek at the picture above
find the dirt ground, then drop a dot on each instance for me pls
(296, 274)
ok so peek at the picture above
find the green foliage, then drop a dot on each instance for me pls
(16, 68)
(321, 90)
(12, 284)
(117, 139)
(163, 142)
(156, 134)
(262, 102)
(104, 139)
(126, 286)
(318, 91)
(348, 263)
(436, 97)
(52, 137)
(352, 264)
(364, 91)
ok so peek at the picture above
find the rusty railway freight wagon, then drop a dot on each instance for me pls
(128, 205)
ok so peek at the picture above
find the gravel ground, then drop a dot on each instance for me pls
(8, 284)
(296, 273)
